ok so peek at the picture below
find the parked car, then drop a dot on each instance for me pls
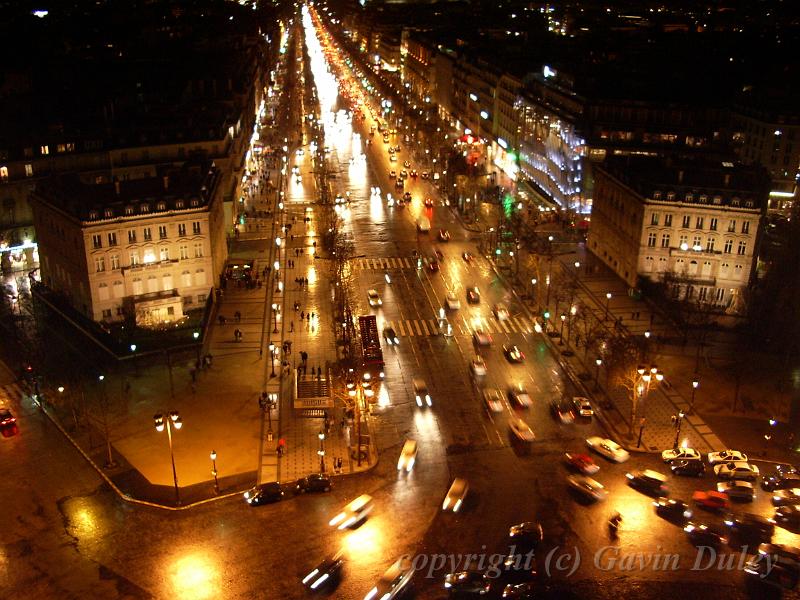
(680, 454)
(264, 494)
(788, 517)
(467, 583)
(750, 527)
(778, 481)
(784, 497)
(316, 482)
(726, 456)
(608, 448)
(736, 470)
(692, 468)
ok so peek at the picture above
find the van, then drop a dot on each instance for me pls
(423, 224)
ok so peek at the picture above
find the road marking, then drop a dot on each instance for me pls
(400, 328)
(434, 327)
(410, 329)
(504, 326)
(424, 327)
(416, 324)
(523, 326)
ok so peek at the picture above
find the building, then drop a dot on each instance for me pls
(691, 225)
(149, 248)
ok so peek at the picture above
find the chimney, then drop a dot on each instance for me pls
(166, 182)
(680, 176)
(116, 187)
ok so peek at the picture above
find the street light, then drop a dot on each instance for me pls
(110, 463)
(597, 362)
(272, 357)
(275, 317)
(214, 470)
(608, 299)
(563, 318)
(678, 421)
(321, 451)
(173, 420)
(695, 385)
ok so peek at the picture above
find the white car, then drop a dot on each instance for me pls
(394, 582)
(421, 393)
(736, 470)
(393, 158)
(452, 303)
(408, 456)
(353, 513)
(374, 298)
(583, 407)
(493, 400)
(478, 366)
(726, 456)
(587, 487)
(501, 312)
(521, 431)
(680, 454)
(481, 338)
(608, 448)
(455, 495)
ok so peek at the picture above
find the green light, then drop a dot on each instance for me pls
(546, 314)
(498, 252)
(512, 156)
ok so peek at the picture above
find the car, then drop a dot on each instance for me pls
(587, 487)
(407, 197)
(421, 394)
(424, 175)
(649, 482)
(736, 470)
(473, 295)
(481, 338)
(408, 455)
(433, 264)
(467, 582)
(788, 517)
(406, 164)
(394, 582)
(452, 302)
(777, 481)
(750, 527)
(521, 431)
(403, 173)
(264, 494)
(680, 454)
(582, 463)
(493, 400)
(428, 203)
(397, 148)
(456, 495)
(478, 366)
(692, 468)
(527, 590)
(518, 396)
(562, 411)
(390, 336)
(608, 448)
(444, 235)
(398, 184)
(701, 534)
(413, 173)
(316, 482)
(726, 456)
(528, 534)
(784, 497)
(737, 490)
(353, 513)
(500, 312)
(392, 174)
(777, 574)
(374, 298)
(391, 150)
(582, 406)
(513, 354)
(7, 419)
(782, 553)
(467, 256)
(711, 500)
(392, 158)
(672, 509)
(326, 574)
(300, 152)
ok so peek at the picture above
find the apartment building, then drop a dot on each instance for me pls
(149, 248)
(692, 225)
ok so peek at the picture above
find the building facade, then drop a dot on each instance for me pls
(690, 225)
(150, 248)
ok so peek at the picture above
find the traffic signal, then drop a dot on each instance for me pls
(546, 314)
(498, 251)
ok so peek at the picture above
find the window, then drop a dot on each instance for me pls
(145, 208)
(161, 206)
(196, 227)
(731, 226)
(668, 220)
(114, 262)
(112, 239)
(742, 249)
(164, 253)
(702, 293)
(651, 240)
(128, 210)
(3, 173)
(106, 313)
(131, 236)
(184, 250)
(686, 219)
(28, 170)
(148, 235)
(182, 229)
(656, 195)
(108, 213)
(696, 243)
(179, 204)
(724, 268)
(703, 199)
(97, 240)
(684, 242)
(699, 223)
(665, 240)
(737, 272)
(99, 264)
(654, 219)
(134, 258)
(719, 295)
(710, 244)
(728, 247)
(162, 232)
(198, 250)
(746, 227)
(713, 224)
(45, 150)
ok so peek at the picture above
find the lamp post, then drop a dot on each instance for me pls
(563, 318)
(598, 362)
(213, 457)
(695, 385)
(110, 463)
(608, 299)
(195, 337)
(642, 389)
(173, 420)
(321, 451)
(135, 363)
(534, 293)
(678, 421)
(275, 317)
(272, 357)
(573, 310)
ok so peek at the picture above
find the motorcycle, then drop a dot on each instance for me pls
(613, 525)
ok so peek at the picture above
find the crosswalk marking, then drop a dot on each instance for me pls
(416, 324)
(461, 324)
(400, 328)
(384, 263)
(504, 326)
(410, 329)
(434, 326)
(424, 327)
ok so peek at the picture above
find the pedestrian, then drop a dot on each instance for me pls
(238, 316)
(319, 372)
(313, 372)
(291, 327)
(313, 317)
(302, 314)
(308, 317)
(208, 358)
